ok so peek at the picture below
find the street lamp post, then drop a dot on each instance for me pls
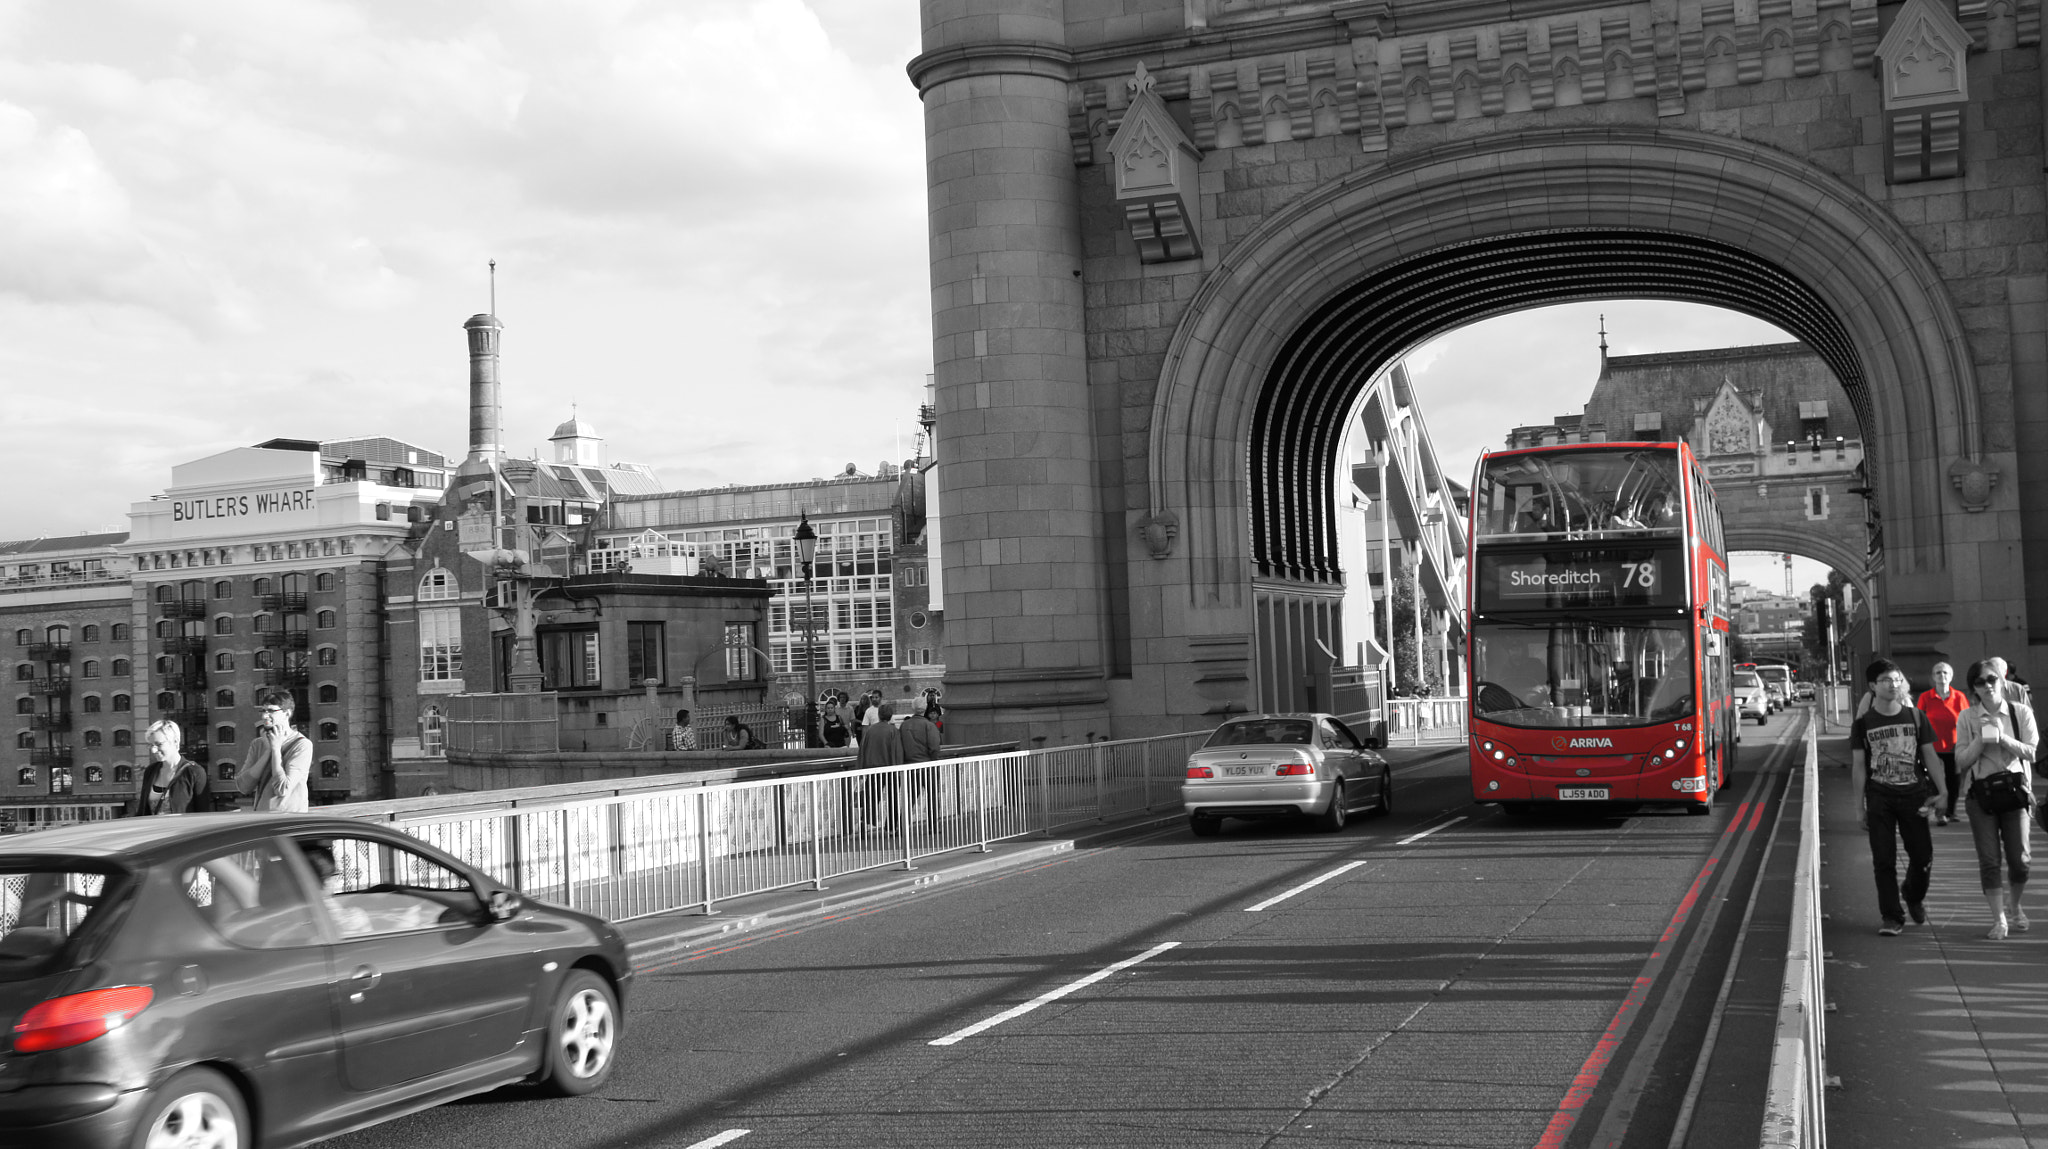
(807, 549)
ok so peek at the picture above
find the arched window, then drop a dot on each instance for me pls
(25, 672)
(89, 633)
(122, 703)
(438, 583)
(90, 704)
(94, 776)
(93, 738)
(119, 632)
(324, 620)
(164, 628)
(224, 589)
(328, 655)
(330, 767)
(60, 633)
(330, 731)
(261, 586)
(120, 668)
(224, 735)
(163, 664)
(90, 668)
(224, 660)
(324, 581)
(165, 592)
(24, 741)
(224, 624)
(24, 636)
(122, 771)
(123, 737)
(224, 699)
(262, 624)
(24, 705)
(330, 692)
(263, 660)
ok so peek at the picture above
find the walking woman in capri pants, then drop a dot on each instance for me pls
(1996, 734)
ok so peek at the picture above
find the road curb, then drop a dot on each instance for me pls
(704, 930)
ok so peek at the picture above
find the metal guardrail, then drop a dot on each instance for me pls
(1795, 1100)
(654, 851)
(1416, 721)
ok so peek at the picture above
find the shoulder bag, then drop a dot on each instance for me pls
(2002, 793)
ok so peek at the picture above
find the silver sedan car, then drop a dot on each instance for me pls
(1284, 764)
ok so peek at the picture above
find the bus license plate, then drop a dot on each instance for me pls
(1582, 793)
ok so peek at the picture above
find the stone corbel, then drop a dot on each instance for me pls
(1159, 530)
(1155, 169)
(1923, 78)
(1973, 481)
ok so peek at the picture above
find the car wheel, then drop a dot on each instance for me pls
(1386, 805)
(196, 1109)
(1204, 827)
(583, 1035)
(1332, 819)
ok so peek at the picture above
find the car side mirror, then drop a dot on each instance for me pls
(503, 905)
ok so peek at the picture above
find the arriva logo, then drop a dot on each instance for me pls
(1581, 743)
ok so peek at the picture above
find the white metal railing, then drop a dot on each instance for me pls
(1795, 1099)
(653, 851)
(1415, 721)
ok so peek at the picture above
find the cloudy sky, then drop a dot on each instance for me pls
(229, 220)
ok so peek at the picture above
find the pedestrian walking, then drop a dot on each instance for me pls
(2014, 688)
(1998, 738)
(280, 759)
(171, 783)
(1897, 779)
(880, 745)
(1942, 705)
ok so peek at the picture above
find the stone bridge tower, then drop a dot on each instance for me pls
(1172, 240)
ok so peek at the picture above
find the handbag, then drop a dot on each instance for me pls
(2002, 793)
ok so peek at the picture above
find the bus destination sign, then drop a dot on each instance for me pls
(1550, 580)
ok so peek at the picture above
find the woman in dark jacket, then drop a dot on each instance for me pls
(170, 783)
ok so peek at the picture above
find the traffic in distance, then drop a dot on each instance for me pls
(1598, 641)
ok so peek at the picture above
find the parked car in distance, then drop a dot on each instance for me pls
(1269, 765)
(1777, 695)
(276, 979)
(1752, 698)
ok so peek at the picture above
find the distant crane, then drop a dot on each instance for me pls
(1788, 576)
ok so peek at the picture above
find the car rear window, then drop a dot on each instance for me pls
(1746, 680)
(1264, 732)
(42, 907)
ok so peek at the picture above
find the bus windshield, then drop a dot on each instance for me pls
(1576, 673)
(1581, 494)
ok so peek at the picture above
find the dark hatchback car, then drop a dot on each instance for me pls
(235, 980)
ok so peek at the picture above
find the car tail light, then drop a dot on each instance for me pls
(1289, 769)
(1200, 772)
(75, 1019)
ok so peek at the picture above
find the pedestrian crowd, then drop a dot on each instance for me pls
(274, 772)
(1913, 759)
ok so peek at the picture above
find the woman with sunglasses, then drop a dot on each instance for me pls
(1997, 734)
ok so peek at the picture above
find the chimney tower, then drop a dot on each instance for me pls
(486, 429)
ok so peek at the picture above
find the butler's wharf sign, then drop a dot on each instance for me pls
(242, 506)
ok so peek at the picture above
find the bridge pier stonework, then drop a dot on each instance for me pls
(1137, 460)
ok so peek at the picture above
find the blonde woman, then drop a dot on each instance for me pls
(1997, 735)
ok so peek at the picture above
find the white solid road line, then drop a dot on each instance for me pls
(1431, 830)
(1053, 995)
(1311, 884)
(725, 1138)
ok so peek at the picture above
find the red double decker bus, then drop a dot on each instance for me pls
(1598, 648)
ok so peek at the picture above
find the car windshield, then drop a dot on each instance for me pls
(1264, 732)
(1578, 673)
(1581, 494)
(42, 907)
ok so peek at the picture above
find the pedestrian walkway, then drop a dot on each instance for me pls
(1938, 1036)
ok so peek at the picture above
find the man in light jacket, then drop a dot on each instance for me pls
(280, 760)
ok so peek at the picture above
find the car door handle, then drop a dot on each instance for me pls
(362, 981)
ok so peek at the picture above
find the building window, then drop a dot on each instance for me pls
(25, 672)
(328, 656)
(329, 692)
(90, 668)
(263, 661)
(645, 642)
(330, 767)
(224, 699)
(120, 668)
(124, 773)
(440, 644)
(330, 731)
(60, 780)
(917, 620)
(93, 739)
(57, 634)
(324, 581)
(24, 636)
(739, 651)
(262, 623)
(224, 589)
(166, 701)
(164, 629)
(260, 587)
(122, 703)
(438, 584)
(431, 742)
(94, 776)
(123, 737)
(224, 624)
(89, 633)
(25, 740)
(324, 620)
(119, 632)
(224, 660)
(224, 735)
(165, 592)
(90, 704)
(569, 659)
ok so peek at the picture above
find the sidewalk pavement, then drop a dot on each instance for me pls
(1938, 1036)
(664, 938)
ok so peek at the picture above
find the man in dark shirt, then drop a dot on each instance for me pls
(170, 783)
(881, 745)
(1898, 782)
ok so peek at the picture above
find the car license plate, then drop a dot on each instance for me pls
(1243, 771)
(1582, 793)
